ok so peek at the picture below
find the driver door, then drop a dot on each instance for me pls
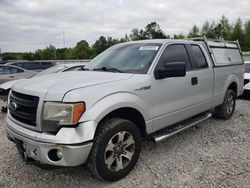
(174, 97)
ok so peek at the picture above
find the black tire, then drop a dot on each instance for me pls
(107, 133)
(222, 110)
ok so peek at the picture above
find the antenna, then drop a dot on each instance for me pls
(63, 39)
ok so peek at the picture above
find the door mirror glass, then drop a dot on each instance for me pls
(172, 69)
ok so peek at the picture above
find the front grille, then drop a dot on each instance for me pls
(23, 107)
(246, 81)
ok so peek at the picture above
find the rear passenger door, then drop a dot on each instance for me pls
(204, 76)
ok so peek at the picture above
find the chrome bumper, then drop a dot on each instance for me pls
(73, 153)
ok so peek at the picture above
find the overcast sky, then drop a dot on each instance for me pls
(27, 25)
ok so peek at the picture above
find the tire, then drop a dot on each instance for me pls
(226, 109)
(116, 149)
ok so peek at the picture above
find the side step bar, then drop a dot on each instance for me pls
(174, 129)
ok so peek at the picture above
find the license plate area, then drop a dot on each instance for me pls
(28, 152)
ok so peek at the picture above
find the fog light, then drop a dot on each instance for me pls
(59, 154)
(55, 155)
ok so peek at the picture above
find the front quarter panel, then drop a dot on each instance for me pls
(100, 100)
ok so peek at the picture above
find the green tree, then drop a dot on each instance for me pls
(61, 53)
(153, 31)
(102, 44)
(246, 47)
(28, 56)
(238, 32)
(208, 29)
(179, 36)
(137, 34)
(194, 32)
(224, 28)
(49, 52)
(81, 50)
(124, 39)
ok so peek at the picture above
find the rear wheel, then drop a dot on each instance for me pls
(226, 109)
(116, 149)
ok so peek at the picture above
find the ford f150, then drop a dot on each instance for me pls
(153, 88)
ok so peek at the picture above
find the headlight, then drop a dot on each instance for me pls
(63, 113)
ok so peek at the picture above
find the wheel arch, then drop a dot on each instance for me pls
(123, 105)
(234, 83)
(130, 114)
(233, 86)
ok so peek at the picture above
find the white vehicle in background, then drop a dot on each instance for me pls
(55, 69)
(62, 68)
(5, 87)
(10, 73)
(247, 77)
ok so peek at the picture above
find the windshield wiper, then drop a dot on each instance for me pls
(108, 69)
(84, 69)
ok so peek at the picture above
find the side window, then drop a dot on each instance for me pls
(32, 66)
(46, 65)
(18, 64)
(175, 53)
(200, 59)
(4, 70)
(16, 70)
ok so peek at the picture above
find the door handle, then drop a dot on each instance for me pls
(194, 81)
(11, 76)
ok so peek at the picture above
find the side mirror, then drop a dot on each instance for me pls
(171, 69)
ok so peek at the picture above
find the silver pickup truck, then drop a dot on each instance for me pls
(150, 88)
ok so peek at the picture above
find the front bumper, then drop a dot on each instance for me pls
(37, 149)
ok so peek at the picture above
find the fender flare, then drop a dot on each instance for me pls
(233, 79)
(113, 102)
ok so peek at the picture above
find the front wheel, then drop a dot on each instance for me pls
(226, 109)
(116, 149)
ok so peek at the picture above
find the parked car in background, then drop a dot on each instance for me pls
(62, 68)
(33, 65)
(54, 69)
(10, 73)
(5, 87)
(247, 77)
(2, 62)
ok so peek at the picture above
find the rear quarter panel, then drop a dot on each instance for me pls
(224, 76)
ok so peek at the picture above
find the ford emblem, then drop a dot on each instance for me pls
(13, 106)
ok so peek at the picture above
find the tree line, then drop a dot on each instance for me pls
(221, 29)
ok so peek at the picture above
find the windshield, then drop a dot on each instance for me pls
(247, 67)
(51, 70)
(129, 58)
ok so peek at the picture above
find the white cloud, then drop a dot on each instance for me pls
(26, 25)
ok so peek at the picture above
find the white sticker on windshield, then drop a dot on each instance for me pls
(149, 48)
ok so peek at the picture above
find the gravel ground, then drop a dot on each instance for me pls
(214, 154)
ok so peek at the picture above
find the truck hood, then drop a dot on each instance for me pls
(54, 86)
(8, 85)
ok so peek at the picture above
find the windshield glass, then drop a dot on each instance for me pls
(129, 58)
(247, 67)
(51, 70)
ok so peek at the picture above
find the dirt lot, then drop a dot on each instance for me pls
(214, 154)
